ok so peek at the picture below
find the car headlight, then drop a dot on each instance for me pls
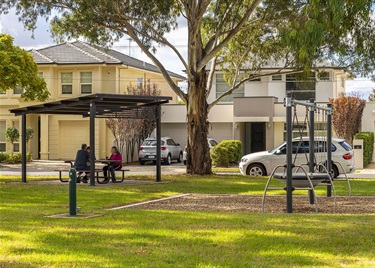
(243, 160)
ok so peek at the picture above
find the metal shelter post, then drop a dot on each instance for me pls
(24, 149)
(92, 142)
(329, 145)
(311, 144)
(158, 143)
(289, 152)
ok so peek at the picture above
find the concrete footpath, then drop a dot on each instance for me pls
(47, 167)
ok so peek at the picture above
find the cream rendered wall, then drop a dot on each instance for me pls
(256, 88)
(128, 76)
(368, 120)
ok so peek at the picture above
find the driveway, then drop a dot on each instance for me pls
(46, 167)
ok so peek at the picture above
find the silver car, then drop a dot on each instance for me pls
(169, 151)
(262, 163)
(211, 143)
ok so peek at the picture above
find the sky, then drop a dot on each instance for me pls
(9, 24)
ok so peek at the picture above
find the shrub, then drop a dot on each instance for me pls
(219, 156)
(368, 146)
(14, 158)
(226, 152)
(4, 157)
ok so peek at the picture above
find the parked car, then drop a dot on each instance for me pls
(211, 143)
(262, 163)
(169, 151)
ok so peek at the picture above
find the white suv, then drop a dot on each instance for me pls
(211, 143)
(169, 151)
(262, 163)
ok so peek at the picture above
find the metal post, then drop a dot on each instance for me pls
(329, 145)
(289, 152)
(92, 143)
(72, 192)
(24, 149)
(311, 144)
(158, 143)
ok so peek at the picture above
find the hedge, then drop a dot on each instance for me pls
(14, 158)
(226, 152)
(368, 146)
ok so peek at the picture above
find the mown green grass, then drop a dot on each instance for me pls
(142, 238)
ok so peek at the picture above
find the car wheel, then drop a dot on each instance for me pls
(256, 170)
(168, 160)
(141, 162)
(335, 171)
(179, 160)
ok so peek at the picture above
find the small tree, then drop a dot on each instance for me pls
(347, 115)
(372, 95)
(130, 133)
(29, 134)
(12, 135)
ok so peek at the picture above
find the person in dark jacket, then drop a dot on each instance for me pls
(81, 161)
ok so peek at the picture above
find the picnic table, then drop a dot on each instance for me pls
(99, 179)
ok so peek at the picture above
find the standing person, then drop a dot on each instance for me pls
(115, 155)
(80, 163)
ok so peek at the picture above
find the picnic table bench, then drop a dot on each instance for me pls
(99, 179)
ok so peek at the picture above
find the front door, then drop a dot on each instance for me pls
(255, 134)
(258, 137)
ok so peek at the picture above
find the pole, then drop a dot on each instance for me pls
(158, 143)
(329, 145)
(24, 149)
(311, 144)
(72, 192)
(92, 143)
(289, 152)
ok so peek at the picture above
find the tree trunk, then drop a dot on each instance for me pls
(198, 161)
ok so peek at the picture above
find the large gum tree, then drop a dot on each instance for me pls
(236, 37)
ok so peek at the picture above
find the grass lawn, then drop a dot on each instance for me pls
(142, 238)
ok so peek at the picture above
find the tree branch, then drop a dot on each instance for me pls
(229, 37)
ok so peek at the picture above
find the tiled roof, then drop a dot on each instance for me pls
(82, 53)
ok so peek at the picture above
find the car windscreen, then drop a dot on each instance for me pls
(151, 143)
(345, 145)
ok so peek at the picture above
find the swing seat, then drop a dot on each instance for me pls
(299, 179)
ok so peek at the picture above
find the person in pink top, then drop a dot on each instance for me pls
(115, 155)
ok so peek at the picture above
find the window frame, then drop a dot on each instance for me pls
(85, 83)
(64, 83)
(238, 93)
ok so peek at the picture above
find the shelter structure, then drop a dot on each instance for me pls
(99, 106)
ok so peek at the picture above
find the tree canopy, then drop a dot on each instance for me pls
(18, 69)
(236, 37)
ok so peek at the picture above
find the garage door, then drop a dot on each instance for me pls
(72, 135)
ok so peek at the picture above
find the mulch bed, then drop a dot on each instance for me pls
(253, 203)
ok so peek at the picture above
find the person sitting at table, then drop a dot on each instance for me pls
(115, 155)
(80, 163)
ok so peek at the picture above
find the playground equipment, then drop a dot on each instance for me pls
(318, 169)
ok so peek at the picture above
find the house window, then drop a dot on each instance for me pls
(2, 136)
(40, 74)
(302, 88)
(324, 76)
(86, 82)
(277, 77)
(18, 90)
(342, 82)
(222, 86)
(139, 82)
(67, 83)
